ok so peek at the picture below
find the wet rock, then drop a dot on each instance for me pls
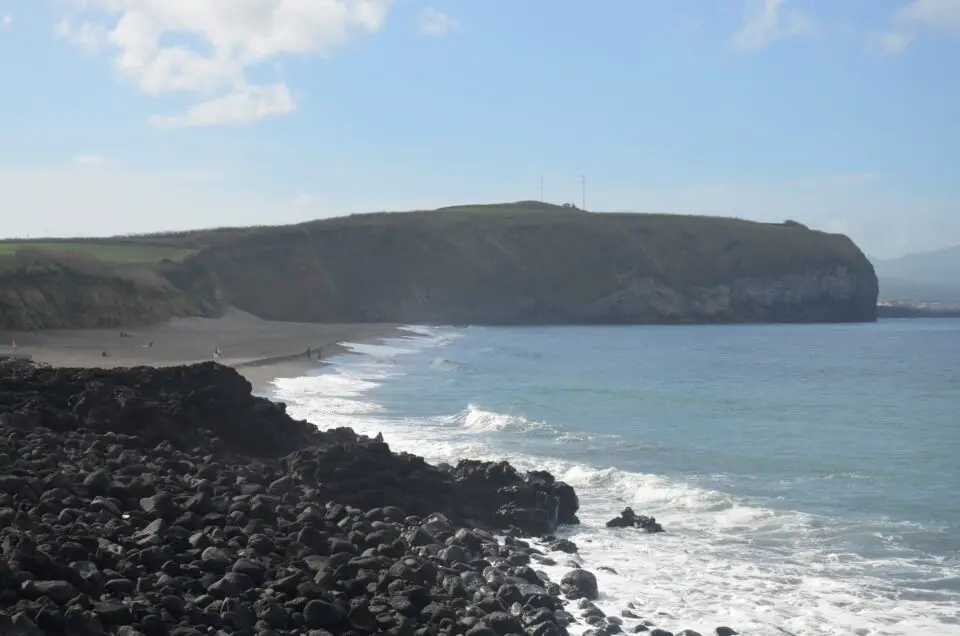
(562, 545)
(162, 502)
(578, 584)
(629, 519)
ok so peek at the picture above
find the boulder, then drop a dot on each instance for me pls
(629, 519)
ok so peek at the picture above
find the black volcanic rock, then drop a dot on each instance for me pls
(171, 501)
(629, 519)
(211, 406)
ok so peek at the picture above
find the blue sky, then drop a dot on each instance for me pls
(140, 115)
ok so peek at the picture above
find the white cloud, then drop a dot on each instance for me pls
(6, 20)
(766, 21)
(937, 14)
(206, 47)
(86, 36)
(433, 22)
(941, 15)
(245, 104)
(90, 160)
(889, 43)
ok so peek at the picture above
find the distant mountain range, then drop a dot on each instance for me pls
(923, 277)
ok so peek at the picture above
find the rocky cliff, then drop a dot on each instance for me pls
(519, 264)
(47, 291)
(546, 265)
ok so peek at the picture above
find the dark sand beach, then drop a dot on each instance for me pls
(261, 350)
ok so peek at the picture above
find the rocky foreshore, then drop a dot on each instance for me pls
(171, 501)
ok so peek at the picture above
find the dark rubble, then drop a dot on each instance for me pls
(172, 501)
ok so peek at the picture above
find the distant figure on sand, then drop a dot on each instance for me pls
(216, 354)
(309, 351)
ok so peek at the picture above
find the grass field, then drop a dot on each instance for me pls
(113, 253)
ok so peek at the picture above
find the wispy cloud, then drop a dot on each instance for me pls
(90, 160)
(767, 21)
(6, 20)
(936, 14)
(433, 22)
(889, 43)
(242, 106)
(87, 36)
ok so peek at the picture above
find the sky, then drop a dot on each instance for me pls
(128, 116)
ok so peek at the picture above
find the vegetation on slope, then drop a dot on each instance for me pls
(119, 252)
(60, 289)
(528, 264)
(521, 263)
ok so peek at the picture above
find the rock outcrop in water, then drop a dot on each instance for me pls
(629, 519)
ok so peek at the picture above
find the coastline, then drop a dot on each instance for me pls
(260, 350)
(131, 451)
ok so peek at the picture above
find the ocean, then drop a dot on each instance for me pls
(808, 476)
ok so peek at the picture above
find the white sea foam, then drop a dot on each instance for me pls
(476, 420)
(722, 561)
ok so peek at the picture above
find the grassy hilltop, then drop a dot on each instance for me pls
(521, 263)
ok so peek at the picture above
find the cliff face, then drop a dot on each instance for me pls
(520, 264)
(824, 295)
(545, 267)
(43, 291)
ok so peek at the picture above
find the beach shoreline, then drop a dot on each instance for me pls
(261, 350)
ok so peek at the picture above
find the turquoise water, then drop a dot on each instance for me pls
(807, 475)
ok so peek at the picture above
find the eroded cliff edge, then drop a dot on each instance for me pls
(42, 290)
(548, 266)
(514, 264)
